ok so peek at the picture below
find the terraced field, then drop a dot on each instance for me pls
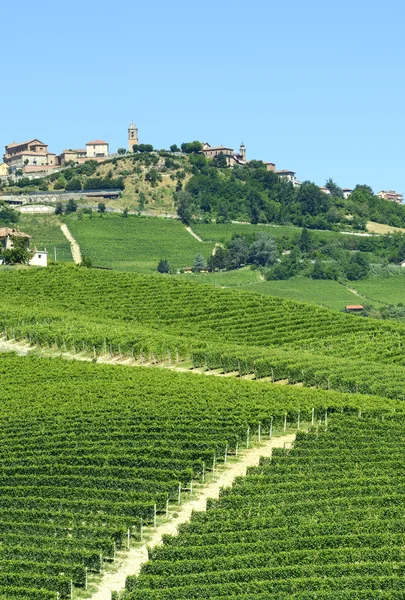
(323, 520)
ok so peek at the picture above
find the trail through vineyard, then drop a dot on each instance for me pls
(132, 562)
(74, 246)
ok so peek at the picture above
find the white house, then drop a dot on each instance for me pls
(39, 259)
(97, 149)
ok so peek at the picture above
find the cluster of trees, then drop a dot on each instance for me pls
(142, 148)
(261, 251)
(8, 216)
(253, 193)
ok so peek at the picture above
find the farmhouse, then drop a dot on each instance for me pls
(6, 235)
(40, 258)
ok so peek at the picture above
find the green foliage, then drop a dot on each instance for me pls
(8, 216)
(101, 207)
(19, 253)
(136, 243)
(198, 263)
(121, 151)
(319, 520)
(220, 161)
(142, 148)
(59, 208)
(163, 266)
(174, 148)
(191, 147)
(86, 262)
(74, 185)
(263, 251)
(60, 183)
(71, 206)
(184, 205)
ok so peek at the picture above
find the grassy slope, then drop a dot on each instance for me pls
(223, 233)
(330, 294)
(378, 289)
(46, 233)
(136, 243)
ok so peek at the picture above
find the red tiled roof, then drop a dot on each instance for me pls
(97, 143)
(354, 307)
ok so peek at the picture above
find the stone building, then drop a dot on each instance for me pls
(29, 156)
(97, 149)
(132, 136)
(391, 196)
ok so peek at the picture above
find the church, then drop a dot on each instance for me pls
(132, 136)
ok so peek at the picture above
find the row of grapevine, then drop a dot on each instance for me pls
(321, 520)
(90, 453)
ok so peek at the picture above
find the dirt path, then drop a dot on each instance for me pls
(197, 237)
(131, 564)
(74, 246)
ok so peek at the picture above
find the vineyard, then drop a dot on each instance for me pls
(136, 243)
(153, 319)
(89, 453)
(321, 520)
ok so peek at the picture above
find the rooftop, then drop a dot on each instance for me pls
(215, 148)
(16, 144)
(97, 143)
(5, 231)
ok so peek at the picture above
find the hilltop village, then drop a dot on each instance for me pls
(33, 160)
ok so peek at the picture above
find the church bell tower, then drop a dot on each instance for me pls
(242, 151)
(132, 136)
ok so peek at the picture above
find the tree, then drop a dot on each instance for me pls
(142, 201)
(142, 148)
(191, 147)
(358, 267)
(305, 241)
(19, 253)
(334, 189)
(199, 263)
(74, 185)
(153, 177)
(60, 183)
(218, 259)
(163, 266)
(184, 201)
(59, 208)
(263, 251)
(86, 262)
(101, 208)
(174, 148)
(220, 161)
(238, 252)
(121, 151)
(312, 200)
(125, 212)
(7, 214)
(71, 207)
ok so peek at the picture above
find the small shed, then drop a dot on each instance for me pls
(354, 308)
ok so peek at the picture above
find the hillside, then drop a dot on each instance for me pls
(94, 456)
(154, 319)
(208, 190)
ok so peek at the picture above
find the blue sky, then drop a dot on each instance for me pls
(315, 86)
